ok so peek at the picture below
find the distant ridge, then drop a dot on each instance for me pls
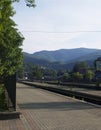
(63, 55)
(62, 58)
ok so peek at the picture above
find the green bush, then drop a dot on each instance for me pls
(2, 98)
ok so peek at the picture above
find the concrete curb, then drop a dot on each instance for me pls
(9, 115)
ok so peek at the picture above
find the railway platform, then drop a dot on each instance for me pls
(44, 110)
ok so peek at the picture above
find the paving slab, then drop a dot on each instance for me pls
(45, 110)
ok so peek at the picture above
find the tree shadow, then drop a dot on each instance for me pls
(56, 106)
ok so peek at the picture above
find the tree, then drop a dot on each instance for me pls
(89, 75)
(66, 76)
(77, 76)
(80, 67)
(10, 41)
(20, 72)
(29, 3)
(37, 72)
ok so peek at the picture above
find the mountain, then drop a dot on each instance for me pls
(64, 58)
(63, 55)
(28, 58)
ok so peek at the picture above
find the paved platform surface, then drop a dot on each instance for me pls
(44, 110)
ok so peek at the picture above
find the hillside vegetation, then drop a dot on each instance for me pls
(64, 58)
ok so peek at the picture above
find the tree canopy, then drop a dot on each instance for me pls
(10, 41)
(29, 3)
(80, 66)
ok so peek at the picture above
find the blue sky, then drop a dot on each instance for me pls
(59, 24)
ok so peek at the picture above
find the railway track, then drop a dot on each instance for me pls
(95, 99)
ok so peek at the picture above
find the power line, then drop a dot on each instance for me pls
(32, 31)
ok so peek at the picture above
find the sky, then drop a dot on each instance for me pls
(59, 24)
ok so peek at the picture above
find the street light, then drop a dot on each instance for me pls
(98, 71)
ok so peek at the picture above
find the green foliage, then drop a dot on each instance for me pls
(10, 41)
(80, 66)
(66, 76)
(36, 72)
(53, 73)
(29, 3)
(21, 72)
(77, 76)
(48, 72)
(89, 75)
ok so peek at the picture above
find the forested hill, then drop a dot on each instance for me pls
(63, 54)
(64, 58)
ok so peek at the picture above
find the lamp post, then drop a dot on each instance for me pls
(98, 71)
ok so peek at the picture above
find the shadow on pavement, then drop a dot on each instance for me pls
(56, 106)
